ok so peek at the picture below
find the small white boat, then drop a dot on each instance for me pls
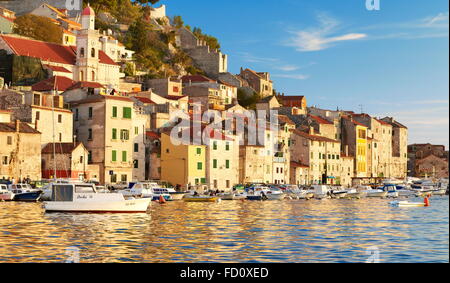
(176, 195)
(83, 198)
(407, 204)
(354, 194)
(391, 190)
(275, 194)
(5, 194)
(371, 193)
(232, 196)
(321, 192)
(440, 192)
(339, 193)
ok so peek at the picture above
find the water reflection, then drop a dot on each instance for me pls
(289, 231)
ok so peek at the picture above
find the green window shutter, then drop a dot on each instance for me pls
(227, 164)
(114, 110)
(215, 145)
(199, 166)
(199, 151)
(215, 163)
(203, 180)
(127, 112)
(227, 147)
(136, 130)
(114, 134)
(124, 156)
(114, 155)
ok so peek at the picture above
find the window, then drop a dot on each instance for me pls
(215, 145)
(9, 140)
(227, 146)
(59, 118)
(199, 166)
(203, 180)
(124, 156)
(136, 164)
(124, 178)
(113, 178)
(91, 113)
(90, 157)
(81, 159)
(114, 111)
(227, 164)
(60, 137)
(5, 160)
(215, 163)
(81, 75)
(136, 147)
(82, 52)
(93, 76)
(124, 135)
(90, 134)
(114, 134)
(93, 52)
(38, 115)
(136, 130)
(114, 156)
(199, 151)
(127, 113)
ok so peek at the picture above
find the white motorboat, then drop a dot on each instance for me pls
(371, 193)
(232, 196)
(321, 192)
(339, 193)
(24, 192)
(84, 198)
(354, 194)
(391, 190)
(275, 194)
(5, 194)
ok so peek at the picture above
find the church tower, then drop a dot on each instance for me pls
(88, 46)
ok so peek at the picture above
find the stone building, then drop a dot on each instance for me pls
(212, 62)
(282, 155)
(104, 124)
(71, 160)
(418, 154)
(20, 151)
(431, 166)
(399, 164)
(153, 156)
(44, 112)
(26, 6)
(320, 154)
(166, 87)
(268, 103)
(259, 82)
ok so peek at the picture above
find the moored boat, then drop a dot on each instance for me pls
(176, 195)
(407, 204)
(24, 192)
(321, 192)
(194, 198)
(5, 194)
(83, 198)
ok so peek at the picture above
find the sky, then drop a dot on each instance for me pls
(387, 62)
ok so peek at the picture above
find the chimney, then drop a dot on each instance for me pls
(17, 125)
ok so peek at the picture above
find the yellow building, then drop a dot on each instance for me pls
(361, 152)
(182, 163)
(354, 141)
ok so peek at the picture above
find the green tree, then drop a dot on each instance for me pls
(39, 28)
(178, 22)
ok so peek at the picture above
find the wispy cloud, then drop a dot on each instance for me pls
(250, 58)
(291, 76)
(321, 37)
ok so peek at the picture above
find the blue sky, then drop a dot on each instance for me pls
(391, 62)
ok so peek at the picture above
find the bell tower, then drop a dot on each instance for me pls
(88, 46)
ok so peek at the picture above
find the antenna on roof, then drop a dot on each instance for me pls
(361, 108)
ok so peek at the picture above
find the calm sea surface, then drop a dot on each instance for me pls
(287, 231)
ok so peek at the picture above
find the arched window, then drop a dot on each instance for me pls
(93, 76)
(82, 52)
(93, 52)
(81, 76)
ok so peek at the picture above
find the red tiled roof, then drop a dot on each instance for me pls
(313, 137)
(283, 119)
(60, 148)
(196, 78)
(153, 135)
(48, 51)
(298, 165)
(79, 85)
(54, 83)
(173, 97)
(291, 97)
(23, 128)
(320, 120)
(359, 124)
(88, 11)
(57, 69)
(144, 100)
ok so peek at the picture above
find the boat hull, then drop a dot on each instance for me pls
(442, 192)
(177, 196)
(6, 197)
(28, 197)
(355, 195)
(126, 206)
(255, 198)
(407, 204)
(377, 195)
(275, 196)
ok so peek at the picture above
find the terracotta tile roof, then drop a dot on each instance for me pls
(313, 137)
(71, 22)
(291, 97)
(227, 84)
(153, 135)
(383, 122)
(173, 97)
(295, 164)
(320, 120)
(11, 127)
(78, 85)
(60, 148)
(57, 69)
(47, 51)
(196, 79)
(56, 82)
(283, 119)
